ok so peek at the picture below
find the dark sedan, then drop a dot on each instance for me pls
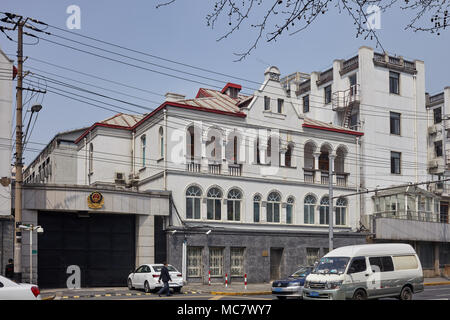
(291, 286)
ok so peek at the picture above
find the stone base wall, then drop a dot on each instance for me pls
(257, 249)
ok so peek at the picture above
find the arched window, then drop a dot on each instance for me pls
(341, 211)
(273, 207)
(91, 158)
(234, 205)
(161, 142)
(190, 143)
(143, 148)
(256, 208)
(214, 204)
(290, 210)
(324, 210)
(309, 206)
(193, 197)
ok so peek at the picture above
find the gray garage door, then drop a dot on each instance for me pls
(102, 245)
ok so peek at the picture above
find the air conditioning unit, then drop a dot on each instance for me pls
(119, 177)
(432, 130)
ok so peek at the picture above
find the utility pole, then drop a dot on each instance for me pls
(19, 158)
(330, 202)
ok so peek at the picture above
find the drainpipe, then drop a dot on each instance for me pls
(133, 136)
(165, 149)
(357, 179)
(415, 128)
(85, 161)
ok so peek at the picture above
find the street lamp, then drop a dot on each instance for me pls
(31, 228)
(35, 108)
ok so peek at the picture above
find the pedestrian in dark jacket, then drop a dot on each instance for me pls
(165, 277)
(9, 269)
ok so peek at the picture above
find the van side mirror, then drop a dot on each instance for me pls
(351, 270)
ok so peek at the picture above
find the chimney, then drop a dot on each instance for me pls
(232, 89)
(172, 97)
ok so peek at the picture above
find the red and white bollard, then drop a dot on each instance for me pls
(245, 281)
(209, 277)
(226, 280)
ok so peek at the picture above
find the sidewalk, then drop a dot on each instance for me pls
(235, 288)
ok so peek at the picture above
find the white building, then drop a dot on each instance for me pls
(6, 111)
(251, 169)
(383, 96)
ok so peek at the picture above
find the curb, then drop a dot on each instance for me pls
(129, 294)
(442, 283)
(251, 293)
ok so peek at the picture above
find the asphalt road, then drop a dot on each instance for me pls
(430, 293)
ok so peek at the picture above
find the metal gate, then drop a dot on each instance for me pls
(101, 245)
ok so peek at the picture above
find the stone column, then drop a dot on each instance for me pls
(145, 239)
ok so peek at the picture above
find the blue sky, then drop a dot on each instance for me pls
(179, 32)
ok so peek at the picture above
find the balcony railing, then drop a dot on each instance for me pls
(341, 180)
(193, 167)
(325, 76)
(343, 99)
(425, 216)
(324, 177)
(349, 65)
(309, 175)
(214, 168)
(235, 169)
(396, 63)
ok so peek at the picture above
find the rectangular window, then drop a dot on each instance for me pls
(395, 123)
(396, 162)
(438, 148)
(216, 262)
(256, 211)
(280, 105)
(312, 255)
(381, 264)
(309, 213)
(394, 81)
(306, 104)
(289, 209)
(437, 115)
(267, 103)
(194, 261)
(237, 262)
(358, 265)
(405, 262)
(327, 94)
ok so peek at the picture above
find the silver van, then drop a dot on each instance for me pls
(365, 272)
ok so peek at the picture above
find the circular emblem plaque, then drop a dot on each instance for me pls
(95, 200)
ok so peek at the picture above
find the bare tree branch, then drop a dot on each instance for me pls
(271, 18)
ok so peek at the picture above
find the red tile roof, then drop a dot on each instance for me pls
(320, 125)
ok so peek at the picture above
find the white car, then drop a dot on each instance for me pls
(10, 290)
(146, 277)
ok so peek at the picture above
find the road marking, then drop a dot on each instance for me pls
(216, 298)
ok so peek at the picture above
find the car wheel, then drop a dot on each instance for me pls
(360, 294)
(406, 294)
(177, 290)
(130, 284)
(147, 287)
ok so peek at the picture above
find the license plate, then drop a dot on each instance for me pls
(277, 290)
(313, 294)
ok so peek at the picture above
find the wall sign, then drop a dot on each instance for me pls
(95, 200)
